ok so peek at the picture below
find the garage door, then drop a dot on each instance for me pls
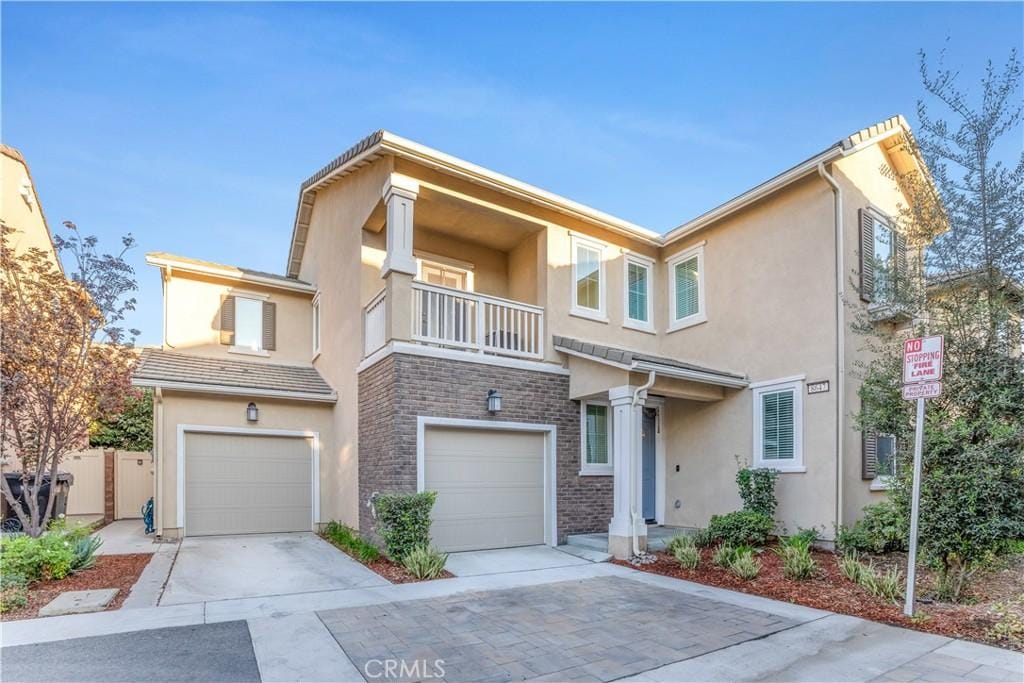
(490, 487)
(237, 484)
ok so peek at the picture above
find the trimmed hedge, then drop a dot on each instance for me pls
(743, 527)
(403, 521)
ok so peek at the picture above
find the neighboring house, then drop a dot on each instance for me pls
(20, 208)
(635, 371)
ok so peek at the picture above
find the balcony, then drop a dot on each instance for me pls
(457, 319)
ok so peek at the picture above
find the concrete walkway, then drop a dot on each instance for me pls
(291, 635)
(529, 558)
(128, 537)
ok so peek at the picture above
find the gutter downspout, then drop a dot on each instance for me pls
(165, 277)
(636, 464)
(158, 431)
(840, 338)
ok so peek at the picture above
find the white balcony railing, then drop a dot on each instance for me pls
(374, 323)
(476, 322)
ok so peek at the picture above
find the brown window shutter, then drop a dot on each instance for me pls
(869, 455)
(867, 256)
(227, 320)
(902, 267)
(269, 325)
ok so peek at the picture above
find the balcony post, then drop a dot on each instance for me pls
(626, 439)
(400, 194)
(398, 320)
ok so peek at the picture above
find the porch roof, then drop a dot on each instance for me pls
(644, 362)
(186, 372)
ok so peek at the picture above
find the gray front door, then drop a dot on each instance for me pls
(648, 468)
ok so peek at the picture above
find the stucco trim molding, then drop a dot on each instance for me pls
(550, 432)
(314, 437)
(412, 349)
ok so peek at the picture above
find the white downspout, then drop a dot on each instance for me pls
(158, 432)
(165, 277)
(636, 465)
(840, 338)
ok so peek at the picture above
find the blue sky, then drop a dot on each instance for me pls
(192, 125)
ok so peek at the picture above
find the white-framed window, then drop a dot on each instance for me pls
(686, 288)
(316, 324)
(445, 272)
(638, 305)
(595, 437)
(778, 425)
(885, 260)
(588, 283)
(248, 323)
(885, 452)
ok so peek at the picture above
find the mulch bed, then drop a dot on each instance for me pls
(830, 590)
(392, 571)
(110, 571)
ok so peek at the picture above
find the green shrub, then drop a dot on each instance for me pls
(688, 556)
(49, 556)
(403, 521)
(349, 540)
(797, 562)
(745, 565)
(424, 562)
(725, 553)
(882, 529)
(851, 567)
(703, 539)
(743, 527)
(757, 489)
(13, 592)
(887, 585)
(803, 537)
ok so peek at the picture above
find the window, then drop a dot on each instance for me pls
(248, 323)
(446, 275)
(778, 425)
(316, 324)
(588, 278)
(884, 261)
(596, 431)
(686, 289)
(638, 293)
(885, 452)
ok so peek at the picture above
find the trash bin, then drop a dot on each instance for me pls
(60, 503)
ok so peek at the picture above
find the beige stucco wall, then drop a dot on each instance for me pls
(26, 218)
(341, 259)
(193, 318)
(180, 408)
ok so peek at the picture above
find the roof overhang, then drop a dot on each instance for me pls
(234, 390)
(228, 272)
(662, 370)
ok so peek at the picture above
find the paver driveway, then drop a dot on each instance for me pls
(597, 629)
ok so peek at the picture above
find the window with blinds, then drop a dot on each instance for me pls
(777, 427)
(638, 285)
(778, 424)
(686, 289)
(596, 434)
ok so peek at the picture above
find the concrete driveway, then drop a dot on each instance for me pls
(216, 568)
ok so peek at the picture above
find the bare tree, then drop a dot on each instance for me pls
(65, 359)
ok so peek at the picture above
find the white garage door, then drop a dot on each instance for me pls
(490, 488)
(242, 484)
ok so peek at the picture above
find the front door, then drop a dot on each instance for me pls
(648, 473)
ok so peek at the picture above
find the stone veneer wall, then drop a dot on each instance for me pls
(394, 391)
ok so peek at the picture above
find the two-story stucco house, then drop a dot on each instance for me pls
(547, 368)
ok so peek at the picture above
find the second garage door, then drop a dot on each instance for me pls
(490, 487)
(243, 484)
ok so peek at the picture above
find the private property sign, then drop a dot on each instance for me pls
(922, 360)
(912, 392)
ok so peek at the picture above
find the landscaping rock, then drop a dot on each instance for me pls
(79, 602)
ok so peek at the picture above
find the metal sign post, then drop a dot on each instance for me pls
(922, 370)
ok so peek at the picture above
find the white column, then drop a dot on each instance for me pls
(399, 196)
(626, 438)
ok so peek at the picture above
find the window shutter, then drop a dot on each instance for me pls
(869, 455)
(867, 256)
(687, 288)
(227, 320)
(902, 267)
(269, 325)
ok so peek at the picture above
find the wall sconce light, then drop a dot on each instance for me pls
(493, 401)
(252, 413)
